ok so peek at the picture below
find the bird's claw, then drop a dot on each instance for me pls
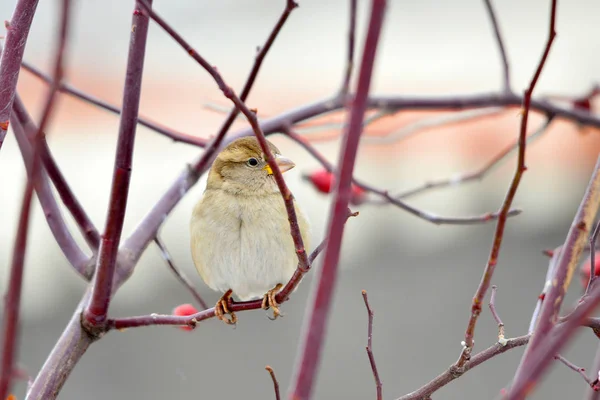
(222, 309)
(270, 302)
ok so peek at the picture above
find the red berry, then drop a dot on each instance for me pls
(586, 268)
(185, 310)
(322, 179)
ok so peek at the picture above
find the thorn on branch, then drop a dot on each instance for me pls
(275, 383)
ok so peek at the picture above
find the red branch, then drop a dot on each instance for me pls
(13, 296)
(499, 234)
(95, 313)
(10, 61)
(319, 305)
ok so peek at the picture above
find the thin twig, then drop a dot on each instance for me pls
(176, 136)
(478, 174)
(593, 240)
(579, 370)
(316, 316)
(10, 60)
(593, 393)
(387, 198)
(275, 383)
(499, 234)
(495, 314)
(500, 43)
(350, 50)
(369, 348)
(13, 295)
(95, 313)
(164, 252)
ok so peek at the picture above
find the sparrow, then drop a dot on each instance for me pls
(239, 231)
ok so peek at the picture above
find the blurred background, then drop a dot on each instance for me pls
(420, 277)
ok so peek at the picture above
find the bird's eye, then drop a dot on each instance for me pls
(253, 162)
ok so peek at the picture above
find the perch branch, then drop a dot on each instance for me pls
(96, 311)
(10, 60)
(316, 316)
(369, 348)
(164, 252)
(499, 234)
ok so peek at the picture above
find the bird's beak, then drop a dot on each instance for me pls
(284, 163)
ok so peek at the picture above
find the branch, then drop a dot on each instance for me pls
(179, 273)
(10, 61)
(95, 313)
(479, 173)
(547, 286)
(550, 339)
(275, 383)
(499, 234)
(579, 370)
(593, 393)
(387, 198)
(176, 136)
(500, 43)
(315, 320)
(369, 348)
(593, 240)
(350, 52)
(83, 221)
(13, 295)
(496, 316)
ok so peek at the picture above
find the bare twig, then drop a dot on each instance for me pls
(500, 43)
(499, 234)
(275, 383)
(13, 295)
(593, 393)
(164, 252)
(95, 313)
(315, 321)
(551, 340)
(10, 61)
(387, 198)
(495, 315)
(369, 348)
(350, 52)
(477, 174)
(593, 240)
(579, 370)
(80, 94)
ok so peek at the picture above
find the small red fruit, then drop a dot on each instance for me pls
(323, 181)
(586, 268)
(183, 310)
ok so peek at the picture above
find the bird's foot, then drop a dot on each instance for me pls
(270, 302)
(222, 309)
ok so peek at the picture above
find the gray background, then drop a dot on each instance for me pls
(420, 277)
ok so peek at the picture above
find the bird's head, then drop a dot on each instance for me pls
(241, 168)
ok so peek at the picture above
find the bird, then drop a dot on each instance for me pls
(239, 231)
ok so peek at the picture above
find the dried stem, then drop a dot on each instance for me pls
(593, 240)
(477, 174)
(164, 252)
(495, 314)
(387, 198)
(579, 370)
(95, 313)
(275, 383)
(13, 295)
(80, 94)
(551, 340)
(369, 348)
(316, 317)
(500, 43)
(350, 52)
(10, 61)
(499, 234)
